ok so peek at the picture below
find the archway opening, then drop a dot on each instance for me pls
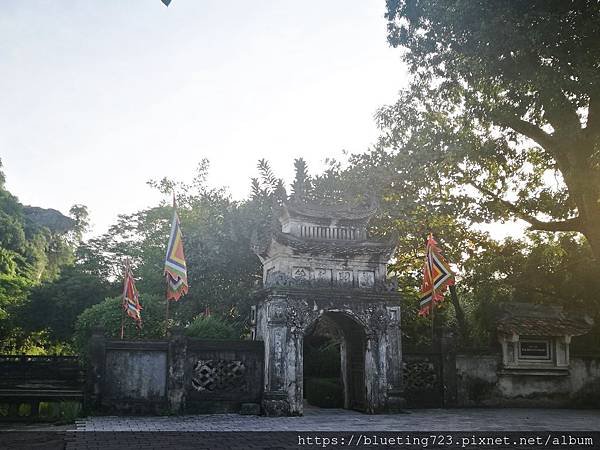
(334, 363)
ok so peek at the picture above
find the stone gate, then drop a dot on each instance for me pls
(319, 264)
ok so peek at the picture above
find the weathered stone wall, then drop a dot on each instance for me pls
(223, 375)
(481, 381)
(175, 375)
(127, 377)
(136, 373)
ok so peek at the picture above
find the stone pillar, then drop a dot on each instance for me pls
(376, 373)
(176, 381)
(272, 329)
(345, 369)
(95, 370)
(284, 373)
(294, 363)
(562, 351)
(393, 348)
(276, 401)
(371, 358)
(515, 349)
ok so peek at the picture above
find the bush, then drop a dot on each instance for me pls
(60, 412)
(325, 392)
(211, 327)
(107, 315)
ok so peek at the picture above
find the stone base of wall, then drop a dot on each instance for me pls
(395, 403)
(275, 405)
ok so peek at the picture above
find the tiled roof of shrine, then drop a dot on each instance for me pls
(262, 239)
(336, 212)
(313, 246)
(526, 319)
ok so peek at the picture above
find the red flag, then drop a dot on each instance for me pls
(131, 300)
(437, 276)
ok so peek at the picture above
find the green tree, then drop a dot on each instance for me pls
(108, 314)
(211, 327)
(54, 306)
(222, 270)
(34, 248)
(503, 109)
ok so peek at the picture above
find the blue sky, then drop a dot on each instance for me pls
(100, 96)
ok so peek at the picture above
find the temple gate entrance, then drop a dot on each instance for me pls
(334, 363)
(318, 264)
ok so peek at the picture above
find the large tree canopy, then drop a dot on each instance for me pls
(503, 109)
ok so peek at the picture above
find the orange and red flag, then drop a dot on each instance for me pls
(131, 300)
(437, 276)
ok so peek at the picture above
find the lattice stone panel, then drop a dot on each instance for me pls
(419, 375)
(213, 375)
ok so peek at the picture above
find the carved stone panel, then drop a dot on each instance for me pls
(300, 273)
(323, 276)
(219, 376)
(277, 357)
(366, 278)
(394, 313)
(277, 312)
(344, 278)
(419, 376)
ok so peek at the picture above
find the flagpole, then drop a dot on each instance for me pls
(433, 347)
(167, 281)
(432, 305)
(122, 322)
(167, 308)
(175, 283)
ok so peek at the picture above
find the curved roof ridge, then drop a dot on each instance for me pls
(340, 211)
(336, 246)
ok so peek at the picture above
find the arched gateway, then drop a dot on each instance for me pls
(318, 262)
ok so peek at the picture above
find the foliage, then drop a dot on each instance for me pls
(549, 269)
(34, 248)
(55, 306)
(300, 186)
(108, 314)
(321, 357)
(64, 412)
(503, 109)
(325, 392)
(211, 327)
(20, 342)
(500, 121)
(222, 270)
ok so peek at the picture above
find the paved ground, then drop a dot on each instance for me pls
(343, 420)
(190, 432)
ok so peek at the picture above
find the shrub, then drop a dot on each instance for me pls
(107, 315)
(325, 392)
(211, 327)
